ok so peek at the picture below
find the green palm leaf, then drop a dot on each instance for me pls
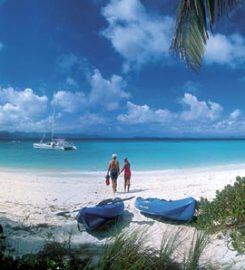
(194, 19)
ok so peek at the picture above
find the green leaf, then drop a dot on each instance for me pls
(194, 19)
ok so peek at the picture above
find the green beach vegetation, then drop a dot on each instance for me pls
(225, 213)
(125, 251)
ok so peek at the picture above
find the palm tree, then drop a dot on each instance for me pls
(195, 18)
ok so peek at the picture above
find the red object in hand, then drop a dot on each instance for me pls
(107, 180)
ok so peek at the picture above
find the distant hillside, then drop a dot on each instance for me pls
(6, 135)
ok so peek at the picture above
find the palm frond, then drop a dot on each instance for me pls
(194, 19)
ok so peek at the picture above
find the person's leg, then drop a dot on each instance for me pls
(114, 176)
(125, 183)
(128, 183)
(113, 184)
(116, 185)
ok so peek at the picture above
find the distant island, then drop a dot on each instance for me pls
(6, 135)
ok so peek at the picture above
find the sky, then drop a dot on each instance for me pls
(104, 68)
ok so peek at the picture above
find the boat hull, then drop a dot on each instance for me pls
(96, 216)
(50, 146)
(179, 210)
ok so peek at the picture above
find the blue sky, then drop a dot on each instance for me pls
(105, 68)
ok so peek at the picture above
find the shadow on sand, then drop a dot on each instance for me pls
(137, 190)
(112, 227)
(132, 191)
(169, 221)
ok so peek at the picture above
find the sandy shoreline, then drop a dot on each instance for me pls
(30, 200)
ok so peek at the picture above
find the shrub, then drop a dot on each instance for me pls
(226, 213)
(227, 210)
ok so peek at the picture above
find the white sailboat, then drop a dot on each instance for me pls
(54, 144)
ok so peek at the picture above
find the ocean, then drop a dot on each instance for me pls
(144, 155)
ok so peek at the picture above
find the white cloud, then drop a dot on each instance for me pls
(107, 93)
(226, 50)
(71, 82)
(21, 109)
(90, 119)
(192, 87)
(235, 115)
(67, 61)
(138, 114)
(68, 101)
(124, 10)
(137, 36)
(194, 111)
(199, 110)
(26, 111)
(196, 118)
(26, 101)
(141, 38)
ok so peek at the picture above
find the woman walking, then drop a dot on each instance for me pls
(127, 174)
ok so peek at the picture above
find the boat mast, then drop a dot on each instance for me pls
(52, 124)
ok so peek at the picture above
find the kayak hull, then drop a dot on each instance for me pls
(96, 216)
(178, 210)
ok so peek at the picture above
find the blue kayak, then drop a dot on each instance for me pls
(179, 210)
(96, 216)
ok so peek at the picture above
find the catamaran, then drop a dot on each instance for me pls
(55, 144)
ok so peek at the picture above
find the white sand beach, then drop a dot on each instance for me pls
(30, 200)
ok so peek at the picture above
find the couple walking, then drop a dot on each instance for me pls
(114, 171)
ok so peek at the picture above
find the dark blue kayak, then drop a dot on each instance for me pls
(96, 216)
(179, 210)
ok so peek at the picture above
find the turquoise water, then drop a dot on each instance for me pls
(143, 155)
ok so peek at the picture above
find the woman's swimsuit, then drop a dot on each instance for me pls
(127, 171)
(114, 170)
(114, 174)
